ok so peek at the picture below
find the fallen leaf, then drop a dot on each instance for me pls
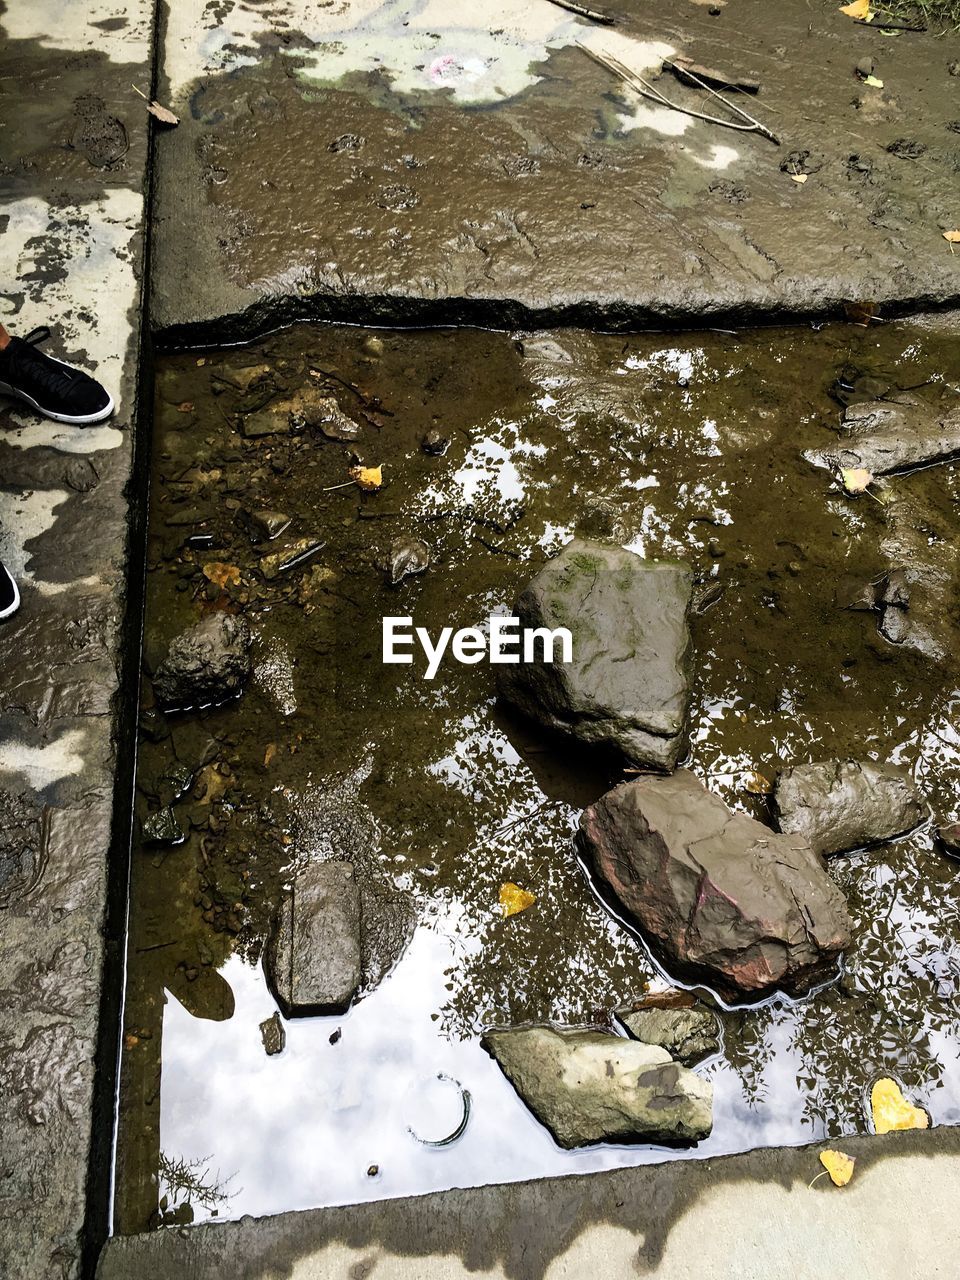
(221, 574)
(799, 177)
(755, 784)
(856, 479)
(952, 236)
(163, 114)
(873, 81)
(513, 899)
(839, 1166)
(891, 1110)
(130, 1041)
(213, 781)
(368, 478)
(186, 406)
(268, 755)
(859, 9)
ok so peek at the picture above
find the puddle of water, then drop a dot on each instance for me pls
(687, 446)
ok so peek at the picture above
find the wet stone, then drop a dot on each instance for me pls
(273, 1035)
(408, 556)
(628, 686)
(894, 626)
(435, 443)
(688, 1035)
(271, 420)
(718, 894)
(948, 838)
(839, 805)
(289, 557)
(162, 828)
(885, 436)
(590, 1086)
(267, 525)
(207, 664)
(314, 957)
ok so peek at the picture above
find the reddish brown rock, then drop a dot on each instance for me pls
(718, 895)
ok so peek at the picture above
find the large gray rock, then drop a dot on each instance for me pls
(886, 436)
(205, 665)
(590, 1086)
(688, 1035)
(845, 804)
(628, 686)
(719, 895)
(314, 957)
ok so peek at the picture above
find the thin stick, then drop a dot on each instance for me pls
(141, 93)
(583, 12)
(761, 128)
(646, 90)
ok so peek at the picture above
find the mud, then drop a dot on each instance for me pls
(434, 183)
(688, 448)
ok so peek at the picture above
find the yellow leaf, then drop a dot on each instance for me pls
(368, 478)
(856, 479)
(268, 755)
(873, 81)
(839, 1166)
(755, 784)
(163, 114)
(799, 177)
(221, 574)
(892, 1111)
(952, 236)
(513, 899)
(858, 9)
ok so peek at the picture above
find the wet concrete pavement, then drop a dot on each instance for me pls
(74, 156)
(743, 1218)
(416, 162)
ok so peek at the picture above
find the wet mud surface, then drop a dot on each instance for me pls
(443, 165)
(685, 447)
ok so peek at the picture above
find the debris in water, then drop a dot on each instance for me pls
(891, 1110)
(407, 557)
(755, 784)
(513, 899)
(368, 478)
(222, 575)
(273, 1035)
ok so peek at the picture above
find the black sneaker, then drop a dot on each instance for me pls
(53, 388)
(9, 595)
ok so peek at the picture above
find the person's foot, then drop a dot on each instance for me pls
(9, 595)
(53, 388)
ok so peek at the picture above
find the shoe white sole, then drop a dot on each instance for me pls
(11, 608)
(84, 420)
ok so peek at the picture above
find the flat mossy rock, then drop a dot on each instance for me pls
(628, 684)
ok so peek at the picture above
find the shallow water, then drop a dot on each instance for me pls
(672, 445)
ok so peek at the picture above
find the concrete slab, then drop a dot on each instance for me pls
(414, 161)
(71, 253)
(742, 1218)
